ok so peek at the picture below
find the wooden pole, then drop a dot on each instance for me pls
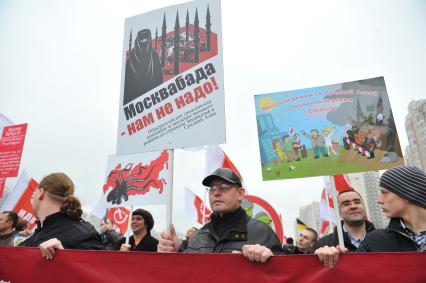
(337, 213)
(170, 196)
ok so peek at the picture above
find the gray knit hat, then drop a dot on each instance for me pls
(406, 181)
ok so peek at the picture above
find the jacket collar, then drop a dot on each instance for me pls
(369, 226)
(395, 226)
(53, 218)
(5, 236)
(142, 242)
(228, 218)
(235, 224)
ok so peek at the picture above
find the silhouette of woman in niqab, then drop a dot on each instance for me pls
(143, 68)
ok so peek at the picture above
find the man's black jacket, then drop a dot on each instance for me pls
(392, 239)
(231, 232)
(332, 240)
(73, 233)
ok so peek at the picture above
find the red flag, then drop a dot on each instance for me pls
(119, 217)
(327, 211)
(324, 227)
(19, 199)
(194, 207)
(342, 183)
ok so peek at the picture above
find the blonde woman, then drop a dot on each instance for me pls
(328, 132)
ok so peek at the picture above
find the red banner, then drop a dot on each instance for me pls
(11, 145)
(26, 265)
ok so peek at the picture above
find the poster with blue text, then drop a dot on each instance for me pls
(327, 130)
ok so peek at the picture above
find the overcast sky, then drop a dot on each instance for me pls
(60, 71)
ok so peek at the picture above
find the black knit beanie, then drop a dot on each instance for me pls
(406, 181)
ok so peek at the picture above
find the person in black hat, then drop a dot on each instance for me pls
(230, 229)
(403, 200)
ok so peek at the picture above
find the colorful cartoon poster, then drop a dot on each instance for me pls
(327, 130)
(172, 79)
(259, 209)
(137, 179)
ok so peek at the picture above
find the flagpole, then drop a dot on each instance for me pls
(106, 215)
(330, 222)
(204, 207)
(295, 229)
(105, 219)
(129, 225)
(170, 192)
(337, 213)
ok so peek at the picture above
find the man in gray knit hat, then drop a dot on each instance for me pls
(403, 200)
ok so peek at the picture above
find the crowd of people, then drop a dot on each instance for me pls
(230, 229)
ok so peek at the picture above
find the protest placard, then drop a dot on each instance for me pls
(11, 145)
(137, 179)
(172, 79)
(327, 130)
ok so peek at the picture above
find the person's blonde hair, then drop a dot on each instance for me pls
(327, 129)
(59, 187)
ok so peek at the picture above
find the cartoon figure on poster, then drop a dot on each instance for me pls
(276, 145)
(335, 129)
(143, 68)
(154, 59)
